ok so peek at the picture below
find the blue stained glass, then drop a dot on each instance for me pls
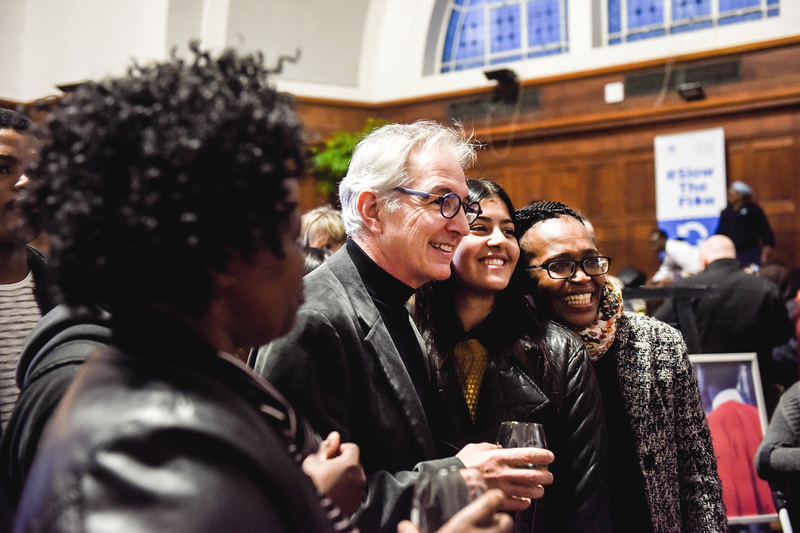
(544, 22)
(471, 40)
(505, 59)
(450, 38)
(732, 5)
(470, 43)
(475, 63)
(547, 52)
(645, 13)
(614, 17)
(692, 26)
(505, 28)
(646, 35)
(689, 9)
(724, 21)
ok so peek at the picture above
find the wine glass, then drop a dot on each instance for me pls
(441, 493)
(513, 434)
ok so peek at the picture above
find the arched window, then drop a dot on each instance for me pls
(488, 32)
(632, 20)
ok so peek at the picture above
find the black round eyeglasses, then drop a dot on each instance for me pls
(449, 204)
(566, 268)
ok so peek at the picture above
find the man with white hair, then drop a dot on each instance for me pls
(746, 225)
(354, 362)
(744, 314)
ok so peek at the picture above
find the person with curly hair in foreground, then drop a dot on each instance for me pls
(170, 199)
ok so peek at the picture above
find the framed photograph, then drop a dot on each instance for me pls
(730, 388)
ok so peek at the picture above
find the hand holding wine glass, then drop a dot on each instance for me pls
(507, 470)
(522, 435)
(479, 516)
(513, 434)
(440, 494)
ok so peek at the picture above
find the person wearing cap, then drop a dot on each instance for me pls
(745, 223)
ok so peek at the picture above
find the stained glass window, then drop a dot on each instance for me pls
(487, 32)
(632, 20)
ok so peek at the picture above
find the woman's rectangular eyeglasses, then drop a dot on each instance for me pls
(565, 268)
(449, 204)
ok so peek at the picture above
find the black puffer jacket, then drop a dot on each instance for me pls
(51, 355)
(574, 423)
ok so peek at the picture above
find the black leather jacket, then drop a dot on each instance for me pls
(572, 414)
(168, 435)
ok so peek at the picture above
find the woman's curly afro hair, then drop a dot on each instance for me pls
(147, 181)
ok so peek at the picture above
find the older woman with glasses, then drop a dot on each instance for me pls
(497, 360)
(664, 473)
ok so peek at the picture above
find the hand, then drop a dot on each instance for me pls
(507, 469)
(479, 516)
(336, 471)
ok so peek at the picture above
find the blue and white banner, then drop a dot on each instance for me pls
(690, 183)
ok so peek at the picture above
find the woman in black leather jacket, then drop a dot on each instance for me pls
(497, 359)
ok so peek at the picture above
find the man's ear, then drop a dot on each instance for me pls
(371, 210)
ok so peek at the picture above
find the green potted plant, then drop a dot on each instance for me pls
(332, 158)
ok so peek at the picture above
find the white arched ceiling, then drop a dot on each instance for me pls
(358, 50)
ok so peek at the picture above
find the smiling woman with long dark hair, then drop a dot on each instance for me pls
(497, 359)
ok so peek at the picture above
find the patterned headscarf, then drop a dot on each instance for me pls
(600, 335)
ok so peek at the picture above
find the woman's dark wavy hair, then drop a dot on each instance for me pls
(147, 181)
(520, 329)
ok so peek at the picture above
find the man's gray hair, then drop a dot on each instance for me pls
(380, 162)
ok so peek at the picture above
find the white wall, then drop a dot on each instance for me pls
(361, 50)
(71, 40)
(12, 31)
(328, 35)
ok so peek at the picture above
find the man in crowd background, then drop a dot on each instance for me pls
(744, 314)
(745, 223)
(678, 258)
(24, 295)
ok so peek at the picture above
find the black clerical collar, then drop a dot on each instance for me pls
(380, 285)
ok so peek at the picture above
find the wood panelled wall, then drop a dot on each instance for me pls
(599, 158)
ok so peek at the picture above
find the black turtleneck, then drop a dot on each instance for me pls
(390, 296)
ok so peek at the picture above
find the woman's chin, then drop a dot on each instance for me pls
(579, 320)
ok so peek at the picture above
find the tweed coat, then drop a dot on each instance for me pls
(684, 493)
(340, 368)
